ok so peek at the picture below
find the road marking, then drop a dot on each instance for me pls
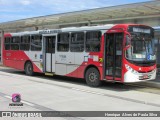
(25, 102)
(8, 97)
(82, 90)
(30, 104)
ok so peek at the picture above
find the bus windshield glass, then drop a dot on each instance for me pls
(141, 46)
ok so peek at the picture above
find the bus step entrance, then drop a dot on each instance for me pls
(49, 74)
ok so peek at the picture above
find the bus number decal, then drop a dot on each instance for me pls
(101, 60)
(63, 57)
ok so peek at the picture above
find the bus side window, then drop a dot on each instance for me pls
(7, 43)
(36, 42)
(15, 41)
(25, 43)
(93, 39)
(77, 42)
(63, 42)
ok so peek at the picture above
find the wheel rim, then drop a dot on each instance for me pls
(92, 77)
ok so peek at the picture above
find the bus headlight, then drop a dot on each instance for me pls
(130, 69)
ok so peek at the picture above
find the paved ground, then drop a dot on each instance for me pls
(43, 93)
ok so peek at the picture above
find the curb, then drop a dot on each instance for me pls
(152, 83)
(149, 84)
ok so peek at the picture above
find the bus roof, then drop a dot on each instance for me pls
(71, 29)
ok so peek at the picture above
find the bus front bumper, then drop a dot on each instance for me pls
(130, 77)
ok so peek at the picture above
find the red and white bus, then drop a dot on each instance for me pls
(121, 52)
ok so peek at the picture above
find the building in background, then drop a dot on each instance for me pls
(140, 13)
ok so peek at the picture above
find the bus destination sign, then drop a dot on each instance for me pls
(141, 30)
(49, 31)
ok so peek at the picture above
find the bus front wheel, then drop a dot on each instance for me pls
(93, 77)
(29, 69)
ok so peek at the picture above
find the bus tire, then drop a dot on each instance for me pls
(29, 69)
(92, 77)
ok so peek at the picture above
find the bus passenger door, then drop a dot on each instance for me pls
(113, 56)
(49, 53)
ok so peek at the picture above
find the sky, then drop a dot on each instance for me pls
(11, 10)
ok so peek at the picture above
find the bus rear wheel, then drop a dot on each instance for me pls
(29, 69)
(93, 77)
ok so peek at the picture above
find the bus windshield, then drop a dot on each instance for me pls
(141, 48)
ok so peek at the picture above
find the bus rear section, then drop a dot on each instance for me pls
(23, 51)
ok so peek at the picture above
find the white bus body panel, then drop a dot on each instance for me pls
(53, 62)
(50, 67)
(62, 60)
(130, 77)
(68, 62)
(48, 62)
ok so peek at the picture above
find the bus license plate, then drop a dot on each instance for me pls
(145, 77)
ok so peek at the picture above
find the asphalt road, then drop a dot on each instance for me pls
(45, 93)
